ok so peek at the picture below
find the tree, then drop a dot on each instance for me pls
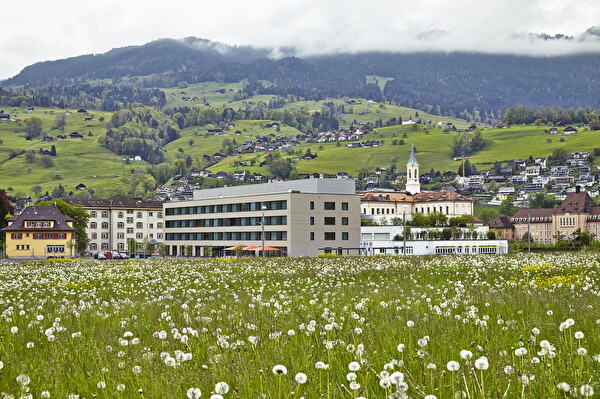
(80, 221)
(53, 151)
(559, 156)
(30, 157)
(34, 126)
(595, 124)
(132, 246)
(47, 161)
(60, 121)
(507, 208)
(36, 190)
(6, 208)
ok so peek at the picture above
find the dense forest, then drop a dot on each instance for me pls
(478, 87)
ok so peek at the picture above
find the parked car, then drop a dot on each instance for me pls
(123, 255)
(99, 256)
(112, 255)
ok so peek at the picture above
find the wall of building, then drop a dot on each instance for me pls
(30, 247)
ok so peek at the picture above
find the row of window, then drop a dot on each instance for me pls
(328, 206)
(139, 215)
(228, 236)
(249, 221)
(104, 236)
(40, 236)
(329, 236)
(225, 208)
(329, 221)
(121, 225)
(55, 248)
(22, 247)
(37, 224)
(566, 221)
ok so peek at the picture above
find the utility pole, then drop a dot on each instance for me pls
(528, 233)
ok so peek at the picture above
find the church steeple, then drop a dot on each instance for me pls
(412, 173)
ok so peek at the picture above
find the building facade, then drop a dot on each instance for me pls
(301, 218)
(547, 226)
(378, 205)
(116, 220)
(40, 232)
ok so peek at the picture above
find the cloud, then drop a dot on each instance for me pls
(60, 28)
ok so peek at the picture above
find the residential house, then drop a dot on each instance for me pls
(39, 232)
(75, 135)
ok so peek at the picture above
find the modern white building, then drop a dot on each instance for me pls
(116, 220)
(390, 240)
(301, 218)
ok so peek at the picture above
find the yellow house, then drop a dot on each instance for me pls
(39, 232)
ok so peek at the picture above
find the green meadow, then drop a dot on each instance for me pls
(77, 160)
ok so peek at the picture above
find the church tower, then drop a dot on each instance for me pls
(412, 173)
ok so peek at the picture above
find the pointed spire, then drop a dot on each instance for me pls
(413, 158)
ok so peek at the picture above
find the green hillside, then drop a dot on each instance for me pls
(77, 160)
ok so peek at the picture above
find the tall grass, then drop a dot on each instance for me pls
(381, 326)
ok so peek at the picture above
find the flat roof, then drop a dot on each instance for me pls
(312, 186)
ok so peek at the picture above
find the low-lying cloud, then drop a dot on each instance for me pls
(309, 27)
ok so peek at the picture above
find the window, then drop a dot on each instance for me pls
(150, 213)
(93, 214)
(344, 206)
(93, 225)
(312, 205)
(312, 236)
(159, 225)
(130, 230)
(16, 236)
(329, 206)
(344, 221)
(55, 248)
(121, 215)
(105, 225)
(151, 226)
(46, 224)
(139, 236)
(130, 211)
(345, 236)
(159, 235)
(329, 221)
(159, 215)
(105, 236)
(104, 214)
(120, 225)
(94, 236)
(62, 236)
(139, 225)
(312, 220)
(139, 215)
(120, 235)
(329, 236)
(129, 220)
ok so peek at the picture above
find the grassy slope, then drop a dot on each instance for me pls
(76, 161)
(433, 150)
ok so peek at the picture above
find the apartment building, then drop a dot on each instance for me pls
(301, 218)
(116, 220)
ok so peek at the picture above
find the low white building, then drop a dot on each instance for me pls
(390, 240)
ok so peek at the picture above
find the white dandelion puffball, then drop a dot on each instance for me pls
(279, 370)
(14, 329)
(453, 365)
(508, 370)
(410, 323)
(221, 388)
(385, 383)
(1, 365)
(400, 347)
(397, 377)
(301, 378)
(563, 386)
(45, 394)
(465, 354)
(351, 376)
(101, 384)
(136, 369)
(354, 385)
(354, 366)
(579, 335)
(482, 363)
(586, 390)
(430, 397)
(216, 396)
(121, 387)
(193, 393)
(582, 351)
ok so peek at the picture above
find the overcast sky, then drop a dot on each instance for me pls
(40, 30)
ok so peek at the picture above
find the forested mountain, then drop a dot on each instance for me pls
(455, 84)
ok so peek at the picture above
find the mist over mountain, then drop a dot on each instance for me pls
(450, 83)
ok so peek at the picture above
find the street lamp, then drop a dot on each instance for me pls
(404, 229)
(263, 209)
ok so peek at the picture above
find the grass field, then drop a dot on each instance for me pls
(347, 327)
(76, 162)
